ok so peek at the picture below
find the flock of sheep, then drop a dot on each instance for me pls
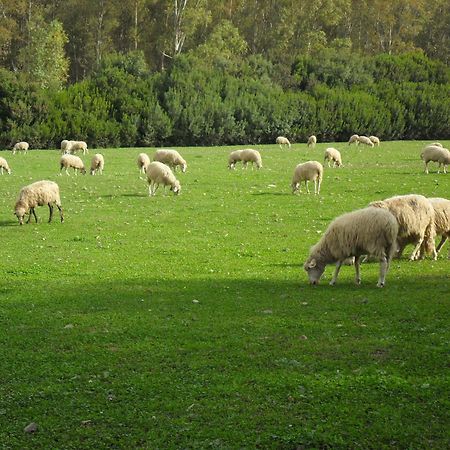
(380, 230)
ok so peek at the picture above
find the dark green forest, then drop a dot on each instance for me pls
(210, 72)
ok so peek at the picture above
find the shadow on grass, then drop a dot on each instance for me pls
(8, 223)
(271, 193)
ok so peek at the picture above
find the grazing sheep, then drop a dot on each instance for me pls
(73, 147)
(312, 141)
(170, 157)
(158, 173)
(73, 161)
(65, 145)
(353, 139)
(281, 140)
(20, 146)
(38, 194)
(97, 164)
(375, 140)
(143, 161)
(4, 165)
(365, 140)
(233, 158)
(332, 154)
(252, 156)
(415, 217)
(308, 171)
(441, 222)
(437, 154)
(369, 231)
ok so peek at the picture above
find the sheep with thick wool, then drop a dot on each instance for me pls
(143, 161)
(71, 161)
(97, 164)
(365, 140)
(281, 140)
(308, 171)
(353, 139)
(375, 140)
(20, 147)
(252, 156)
(441, 223)
(38, 194)
(312, 141)
(4, 166)
(172, 158)
(73, 147)
(159, 173)
(437, 154)
(415, 218)
(369, 231)
(333, 155)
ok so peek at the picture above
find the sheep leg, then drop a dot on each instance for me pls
(426, 167)
(60, 212)
(336, 273)
(307, 188)
(50, 207)
(415, 253)
(384, 266)
(150, 190)
(443, 240)
(34, 214)
(357, 269)
(1, 170)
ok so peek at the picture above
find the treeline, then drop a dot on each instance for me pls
(214, 96)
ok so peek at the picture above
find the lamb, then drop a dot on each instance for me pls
(253, 156)
(4, 165)
(143, 161)
(158, 173)
(308, 171)
(97, 164)
(375, 140)
(281, 140)
(233, 158)
(415, 218)
(353, 139)
(38, 194)
(20, 146)
(332, 154)
(170, 157)
(73, 161)
(365, 140)
(73, 147)
(441, 222)
(437, 154)
(312, 141)
(371, 231)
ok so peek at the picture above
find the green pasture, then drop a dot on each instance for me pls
(186, 322)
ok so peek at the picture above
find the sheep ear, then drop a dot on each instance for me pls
(312, 264)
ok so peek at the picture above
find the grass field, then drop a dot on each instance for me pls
(187, 321)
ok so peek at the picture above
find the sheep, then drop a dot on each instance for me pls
(4, 165)
(437, 154)
(415, 217)
(158, 173)
(73, 161)
(253, 156)
(281, 140)
(370, 231)
(375, 140)
(143, 161)
(312, 141)
(170, 157)
(332, 154)
(97, 164)
(38, 194)
(365, 140)
(441, 222)
(233, 158)
(308, 171)
(73, 146)
(353, 139)
(20, 146)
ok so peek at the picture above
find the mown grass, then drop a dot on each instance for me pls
(187, 322)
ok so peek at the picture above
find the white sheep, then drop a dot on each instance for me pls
(251, 156)
(308, 171)
(365, 140)
(441, 222)
(172, 158)
(4, 166)
(312, 141)
(158, 173)
(281, 140)
(415, 218)
(334, 155)
(233, 158)
(20, 146)
(72, 161)
(97, 164)
(437, 154)
(38, 194)
(369, 231)
(353, 139)
(375, 140)
(143, 161)
(73, 147)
